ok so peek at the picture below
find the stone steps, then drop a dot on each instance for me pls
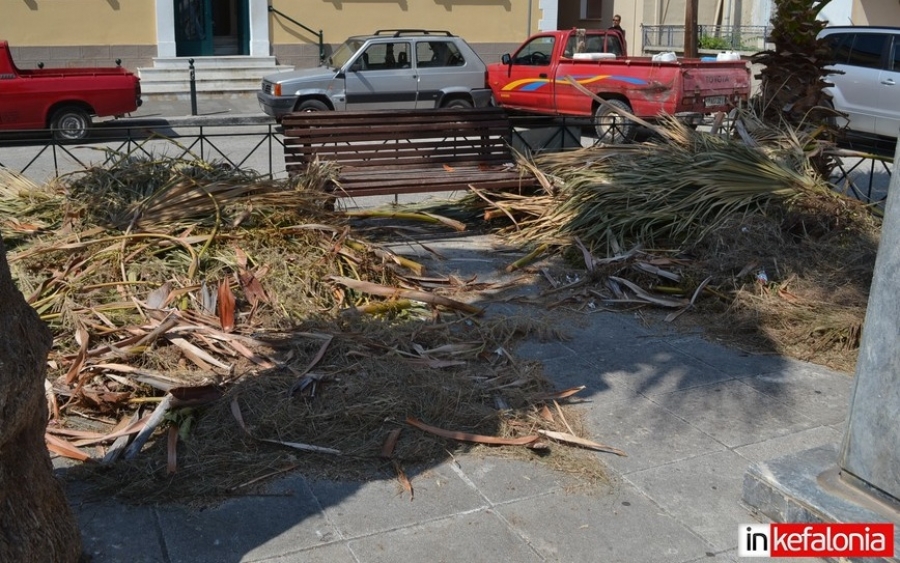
(169, 77)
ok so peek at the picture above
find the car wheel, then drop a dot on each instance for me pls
(70, 124)
(611, 126)
(307, 106)
(829, 115)
(458, 103)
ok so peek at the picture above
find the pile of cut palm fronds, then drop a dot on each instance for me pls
(695, 220)
(671, 190)
(250, 325)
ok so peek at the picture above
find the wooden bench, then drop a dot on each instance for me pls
(406, 151)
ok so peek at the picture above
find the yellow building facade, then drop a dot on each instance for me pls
(97, 32)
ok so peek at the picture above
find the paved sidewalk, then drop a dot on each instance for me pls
(208, 109)
(691, 415)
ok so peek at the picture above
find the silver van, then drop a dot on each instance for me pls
(868, 91)
(391, 69)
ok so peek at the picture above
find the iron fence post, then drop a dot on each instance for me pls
(193, 80)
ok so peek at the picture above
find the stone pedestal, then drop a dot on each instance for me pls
(862, 482)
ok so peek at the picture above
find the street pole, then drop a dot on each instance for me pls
(690, 29)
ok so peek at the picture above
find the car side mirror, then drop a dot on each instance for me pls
(506, 59)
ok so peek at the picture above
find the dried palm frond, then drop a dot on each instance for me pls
(673, 190)
(27, 208)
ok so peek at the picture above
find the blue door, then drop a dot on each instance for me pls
(212, 27)
(193, 28)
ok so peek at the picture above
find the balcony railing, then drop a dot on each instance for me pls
(745, 38)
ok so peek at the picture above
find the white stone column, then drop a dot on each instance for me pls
(165, 28)
(259, 29)
(549, 15)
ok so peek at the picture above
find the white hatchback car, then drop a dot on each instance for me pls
(868, 91)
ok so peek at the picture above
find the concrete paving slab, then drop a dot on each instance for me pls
(777, 447)
(821, 394)
(651, 435)
(363, 509)
(640, 364)
(547, 351)
(475, 536)
(334, 553)
(649, 367)
(620, 526)
(734, 413)
(731, 556)
(155, 106)
(729, 361)
(501, 480)
(113, 533)
(600, 387)
(287, 517)
(659, 369)
(702, 493)
(602, 332)
(724, 557)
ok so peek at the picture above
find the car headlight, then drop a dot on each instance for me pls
(276, 89)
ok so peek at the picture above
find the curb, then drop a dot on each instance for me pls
(223, 119)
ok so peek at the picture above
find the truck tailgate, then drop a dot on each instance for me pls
(715, 85)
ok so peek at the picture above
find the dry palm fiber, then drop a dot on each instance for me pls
(373, 377)
(669, 191)
(673, 191)
(137, 251)
(111, 241)
(27, 208)
(813, 303)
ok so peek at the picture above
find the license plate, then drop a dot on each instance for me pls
(714, 101)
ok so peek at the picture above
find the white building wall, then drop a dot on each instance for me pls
(761, 12)
(837, 12)
(549, 15)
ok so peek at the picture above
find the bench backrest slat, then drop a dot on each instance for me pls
(407, 151)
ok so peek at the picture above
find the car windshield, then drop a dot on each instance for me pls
(344, 53)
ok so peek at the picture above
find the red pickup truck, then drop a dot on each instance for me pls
(63, 99)
(535, 80)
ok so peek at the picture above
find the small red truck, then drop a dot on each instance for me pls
(535, 79)
(63, 99)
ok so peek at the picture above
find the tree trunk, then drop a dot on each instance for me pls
(36, 522)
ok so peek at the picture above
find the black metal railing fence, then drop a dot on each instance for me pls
(745, 38)
(260, 147)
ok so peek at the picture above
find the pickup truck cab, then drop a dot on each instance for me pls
(63, 99)
(535, 79)
(391, 69)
